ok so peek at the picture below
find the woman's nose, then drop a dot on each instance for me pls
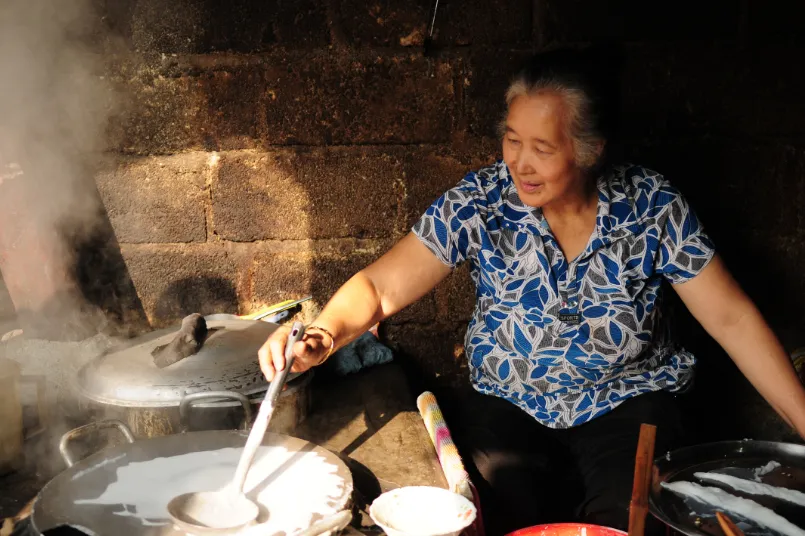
(523, 163)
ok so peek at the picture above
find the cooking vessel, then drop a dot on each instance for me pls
(214, 389)
(125, 489)
(743, 459)
(567, 529)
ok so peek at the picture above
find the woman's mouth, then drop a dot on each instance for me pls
(531, 187)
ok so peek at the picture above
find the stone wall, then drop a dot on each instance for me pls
(267, 150)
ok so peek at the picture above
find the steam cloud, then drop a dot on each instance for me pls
(54, 105)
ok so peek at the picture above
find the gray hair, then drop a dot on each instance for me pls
(580, 122)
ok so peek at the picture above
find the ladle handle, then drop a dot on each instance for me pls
(266, 410)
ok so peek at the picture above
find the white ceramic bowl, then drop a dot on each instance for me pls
(422, 511)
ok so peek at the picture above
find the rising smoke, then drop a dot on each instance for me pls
(54, 106)
(54, 102)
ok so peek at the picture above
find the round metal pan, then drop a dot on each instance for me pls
(737, 458)
(125, 489)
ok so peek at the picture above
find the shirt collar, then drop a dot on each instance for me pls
(615, 215)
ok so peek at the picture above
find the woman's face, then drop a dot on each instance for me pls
(537, 151)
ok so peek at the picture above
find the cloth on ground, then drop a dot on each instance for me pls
(364, 352)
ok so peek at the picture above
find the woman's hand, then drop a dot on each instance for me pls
(312, 350)
(400, 277)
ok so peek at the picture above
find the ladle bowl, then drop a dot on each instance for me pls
(212, 512)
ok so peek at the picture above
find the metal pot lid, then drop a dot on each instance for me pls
(127, 376)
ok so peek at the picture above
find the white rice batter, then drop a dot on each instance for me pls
(754, 488)
(743, 507)
(295, 494)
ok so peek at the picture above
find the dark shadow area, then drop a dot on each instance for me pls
(203, 295)
(366, 483)
(748, 195)
(200, 26)
(366, 489)
(104, 281)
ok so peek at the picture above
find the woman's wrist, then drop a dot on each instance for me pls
(327, 333)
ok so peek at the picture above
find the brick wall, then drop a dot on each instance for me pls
(269, 149)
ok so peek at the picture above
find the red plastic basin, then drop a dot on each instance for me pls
(567, 529)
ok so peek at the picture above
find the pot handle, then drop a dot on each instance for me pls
(91, 427)
(188, 400)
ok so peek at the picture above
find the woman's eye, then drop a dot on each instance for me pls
(514, 142)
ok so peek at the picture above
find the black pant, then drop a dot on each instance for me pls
(528, 474)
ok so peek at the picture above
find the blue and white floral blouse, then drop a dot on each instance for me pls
(568, 341)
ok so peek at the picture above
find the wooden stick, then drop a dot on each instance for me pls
(644, 462)
(729, 528)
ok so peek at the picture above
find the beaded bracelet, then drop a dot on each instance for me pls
(332, 340)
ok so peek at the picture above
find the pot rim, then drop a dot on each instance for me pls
(300, 381)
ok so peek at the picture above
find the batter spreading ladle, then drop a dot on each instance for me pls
(229, 509)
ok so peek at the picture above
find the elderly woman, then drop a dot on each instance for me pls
(568, 349)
